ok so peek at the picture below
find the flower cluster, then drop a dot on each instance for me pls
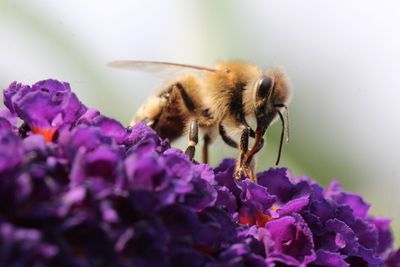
(78, 189)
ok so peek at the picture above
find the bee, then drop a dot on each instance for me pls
(210, 100)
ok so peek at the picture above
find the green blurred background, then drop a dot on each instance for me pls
(343, 59)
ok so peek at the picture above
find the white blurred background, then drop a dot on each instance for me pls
(343, 58)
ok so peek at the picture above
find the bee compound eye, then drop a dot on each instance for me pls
(264, 87)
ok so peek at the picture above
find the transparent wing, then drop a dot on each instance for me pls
(161, 69)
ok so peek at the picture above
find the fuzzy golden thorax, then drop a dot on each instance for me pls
(229, 91)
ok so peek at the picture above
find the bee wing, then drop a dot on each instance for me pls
(159, 68)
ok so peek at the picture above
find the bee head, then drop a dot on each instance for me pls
(271, 93)
(271, 96)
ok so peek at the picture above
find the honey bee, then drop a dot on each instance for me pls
(213, 99)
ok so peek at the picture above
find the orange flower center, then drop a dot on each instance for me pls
(259, 218)
(46, 133)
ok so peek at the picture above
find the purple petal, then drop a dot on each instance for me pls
(292, 239)
(295, 205)
(330, 259)
(142, 133)
(146, 172)
(11, 152)
(300, 199)
(224, 176)
(110, 127)
(366, 233)
(324, 210)
(202, 196)
(277, 183)
(256, 194)
(205, 172)
(81, 137)
(13, 93)
(360, 208)
(9, 117)
(182, 222)
(178, 164)
(5, 126)
(217, 229)
(344, 236)
(385, 237)
(226, 199)
(393, 260)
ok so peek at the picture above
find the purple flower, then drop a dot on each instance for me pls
(44, 107)
(79, 189)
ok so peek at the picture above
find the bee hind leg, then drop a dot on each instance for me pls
(193, 139)
(194, 124)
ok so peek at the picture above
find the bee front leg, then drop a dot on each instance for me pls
(247, 161)
(243, 147)
(193, 139)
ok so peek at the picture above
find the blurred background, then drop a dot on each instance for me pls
(343, 59)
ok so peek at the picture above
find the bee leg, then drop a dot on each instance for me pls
(206, 143)
(243, 147)
(193, 139)
(226, 138)
(194, 125)
(247, 158)
(241, 166)
(249, 163)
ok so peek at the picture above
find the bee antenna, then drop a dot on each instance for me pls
(284, 133)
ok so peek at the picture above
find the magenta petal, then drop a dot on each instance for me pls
(7, 116)
(360, 208)
(179, 165)
(14, 93)
(5, 126)
(11, 152)
(393, 260)
(330, 259)
(292, 240)
(226, 199)
(145, 172)
(344, 236)
(110, 127)
(295, 205)
(140, 134)
(385, 237)
(256, 194)
(277, 183)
